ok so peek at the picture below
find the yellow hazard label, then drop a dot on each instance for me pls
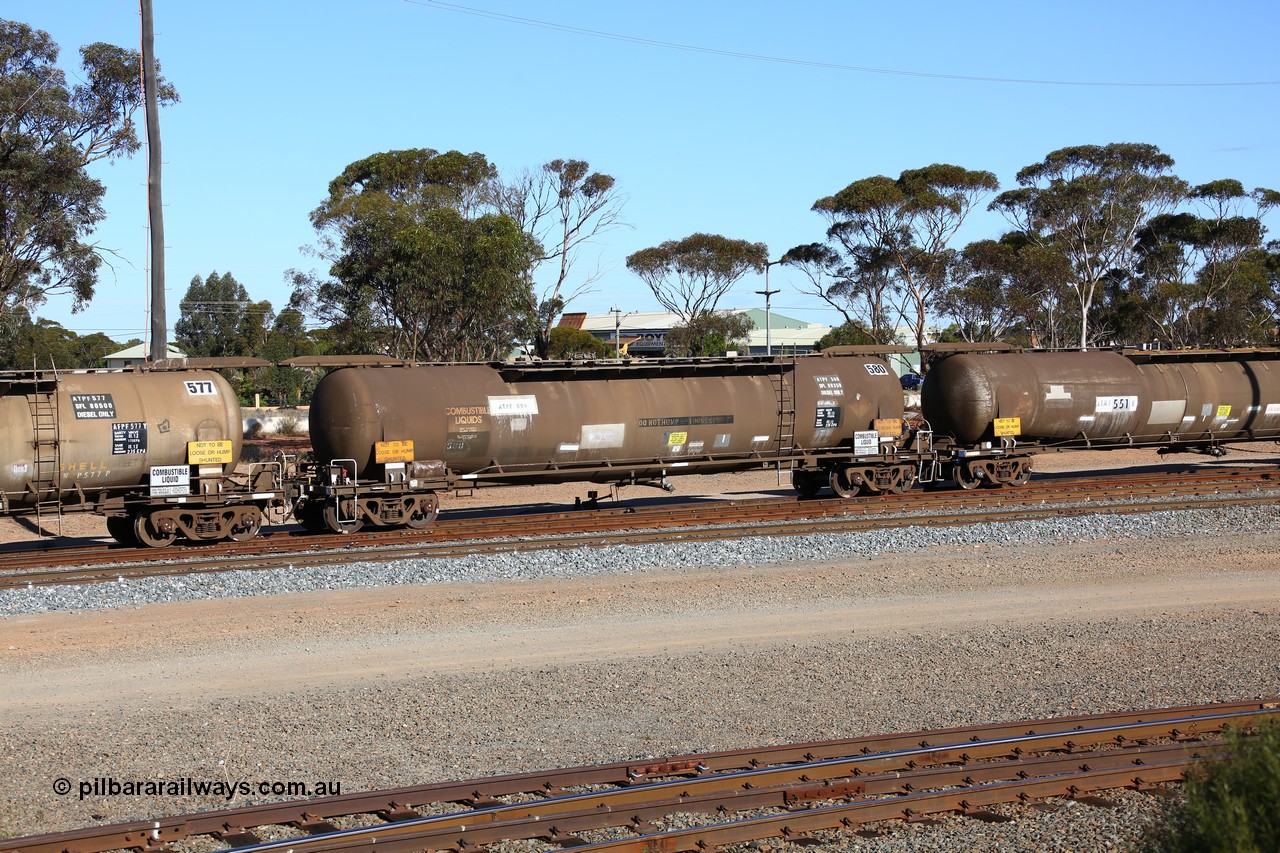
(674, 438)
(1006, 427)
(1224, 411)
(393, 451)
(889, 427)
(209, 452)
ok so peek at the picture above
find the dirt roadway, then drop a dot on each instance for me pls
(383, 688)
(267, 648)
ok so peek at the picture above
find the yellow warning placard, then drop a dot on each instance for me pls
(1007, 427)
(677, 438)
(1224, 411)
(393, 451)
(888, 427)
(209, 452)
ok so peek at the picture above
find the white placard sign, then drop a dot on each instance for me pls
(866, 442)
(170, 480)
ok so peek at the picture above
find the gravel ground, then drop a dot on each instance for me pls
(421, 671)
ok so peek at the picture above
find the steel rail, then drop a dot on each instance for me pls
(629, 808)
(852, 521)
(519, 521)
(236, 825)
(799, 825)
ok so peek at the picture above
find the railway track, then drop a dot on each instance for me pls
(704, 520)
(697, 802)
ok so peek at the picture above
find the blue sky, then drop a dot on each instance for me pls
(278, 97)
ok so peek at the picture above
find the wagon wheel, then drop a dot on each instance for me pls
(149, 534)
(966, 477)
(120, 528)
(807, 483)
(841, 483)
(246, 524)
(346, 524)
(1021, 475)
(425, 510)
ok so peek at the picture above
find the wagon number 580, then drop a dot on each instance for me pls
(199, 387)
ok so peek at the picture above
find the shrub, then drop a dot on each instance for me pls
(289, 425)
(1232, 806)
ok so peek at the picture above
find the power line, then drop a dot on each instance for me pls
(832, 66)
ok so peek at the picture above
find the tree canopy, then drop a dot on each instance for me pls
(43, 344)
(49, 205)
(563, 206)
(688, 277)
(1088, 202)
(422, 265)
(889, 237)
(709, 334)
(218, 320)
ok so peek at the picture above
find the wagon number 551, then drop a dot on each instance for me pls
(199, 387)
(1117, 404)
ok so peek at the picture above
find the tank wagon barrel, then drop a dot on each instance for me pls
(999, 408)
(417, 430)
(153, 450)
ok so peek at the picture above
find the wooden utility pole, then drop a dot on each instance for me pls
(155, 206)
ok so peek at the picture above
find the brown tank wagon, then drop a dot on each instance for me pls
(997, 409)
(153, 450)
(388, 437)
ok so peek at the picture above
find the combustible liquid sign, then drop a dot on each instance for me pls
(170, 480)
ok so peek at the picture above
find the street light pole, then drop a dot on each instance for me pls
(768, 317)
(617, 331)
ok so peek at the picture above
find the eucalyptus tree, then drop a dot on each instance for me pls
(690, 276)
(49, 132)
(1009, 289)
(564, 206)
(216, 319)
(892, 235)
(858, 287)
(1089, 203)
(422, 264)
(1191, 261)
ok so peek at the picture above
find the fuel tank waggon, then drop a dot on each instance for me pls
(1106, 398)
(605, 421)
(77, 436)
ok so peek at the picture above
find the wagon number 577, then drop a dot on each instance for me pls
(199, 387)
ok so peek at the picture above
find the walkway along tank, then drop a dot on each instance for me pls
(152, 450)
(999, 407)
(387, 438)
